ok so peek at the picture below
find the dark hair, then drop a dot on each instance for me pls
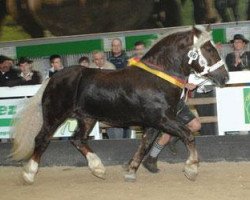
(83, 58)
(53, 57)
(24, 60)
(4, 58)
(139, 43)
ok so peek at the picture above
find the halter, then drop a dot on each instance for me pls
(195, 54)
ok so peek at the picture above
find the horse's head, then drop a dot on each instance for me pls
(180, 52)
(204, 58)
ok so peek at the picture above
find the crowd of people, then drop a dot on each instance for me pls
(21, 72)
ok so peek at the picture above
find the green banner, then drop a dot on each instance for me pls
(67, 48)
(219, 36)
(5, 122)
(246, 92)
(147, 39)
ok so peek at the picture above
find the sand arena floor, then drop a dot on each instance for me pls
(216, 181)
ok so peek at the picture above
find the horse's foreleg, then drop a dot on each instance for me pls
(94, 162)
(148, 138)
(191, 167)
(180, 130)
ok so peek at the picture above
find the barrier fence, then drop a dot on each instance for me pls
(233, 107)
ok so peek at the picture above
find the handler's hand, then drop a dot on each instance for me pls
(190, 86)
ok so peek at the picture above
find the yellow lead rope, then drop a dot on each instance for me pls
(133, 62)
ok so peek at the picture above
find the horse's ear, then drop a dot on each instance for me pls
(196, 31)
(208, 28)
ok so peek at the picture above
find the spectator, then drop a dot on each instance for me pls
(99, 61)
(119, 59)
(84, 61)
(118, 56)
(239, 59)
(139, 49)
(28, 75)
(8, 75)
(56, 64)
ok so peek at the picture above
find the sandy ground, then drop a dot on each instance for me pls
(216, 181)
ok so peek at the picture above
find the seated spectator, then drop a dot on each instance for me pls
(99, 61)
(84, 61)
(118, 56)
(239, 59)
(8, 75)
(28, 75)
(56, 64)
(139, 49)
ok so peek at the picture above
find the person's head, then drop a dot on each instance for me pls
(116, 47)
(98, 58)
(56, 62)
(25, 64)
(239, 42)
(84, 61)
(139, 49)
(5, 63)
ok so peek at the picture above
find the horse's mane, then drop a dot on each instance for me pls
(168, 33)
(168, 49)
(203, 37)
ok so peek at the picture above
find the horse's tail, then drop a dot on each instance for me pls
(27, 125)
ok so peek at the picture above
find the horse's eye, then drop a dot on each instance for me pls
(209, 49)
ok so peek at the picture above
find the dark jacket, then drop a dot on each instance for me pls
(35, 79)
(245, 62)
(119, 61)
(9, 78)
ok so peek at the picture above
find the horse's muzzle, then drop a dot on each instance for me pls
(220, 76)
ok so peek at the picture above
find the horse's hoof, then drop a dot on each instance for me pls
(130, 177)
(191, 172)
(99, 173)
(28, 178)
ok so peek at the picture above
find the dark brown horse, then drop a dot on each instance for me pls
(144, 94)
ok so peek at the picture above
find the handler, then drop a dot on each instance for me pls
(185, 116)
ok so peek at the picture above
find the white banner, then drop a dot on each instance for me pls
(10, 107)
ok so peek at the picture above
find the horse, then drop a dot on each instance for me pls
(144, 94)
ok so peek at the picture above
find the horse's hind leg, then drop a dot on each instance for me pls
(148, 138)
(41, 143)
(94, 162)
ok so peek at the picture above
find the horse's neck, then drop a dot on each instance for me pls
(171, 64)
(170, 54)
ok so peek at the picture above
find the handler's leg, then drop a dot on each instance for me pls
(150, 163)
(184, 116)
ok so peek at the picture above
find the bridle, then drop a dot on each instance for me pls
(195, 54)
